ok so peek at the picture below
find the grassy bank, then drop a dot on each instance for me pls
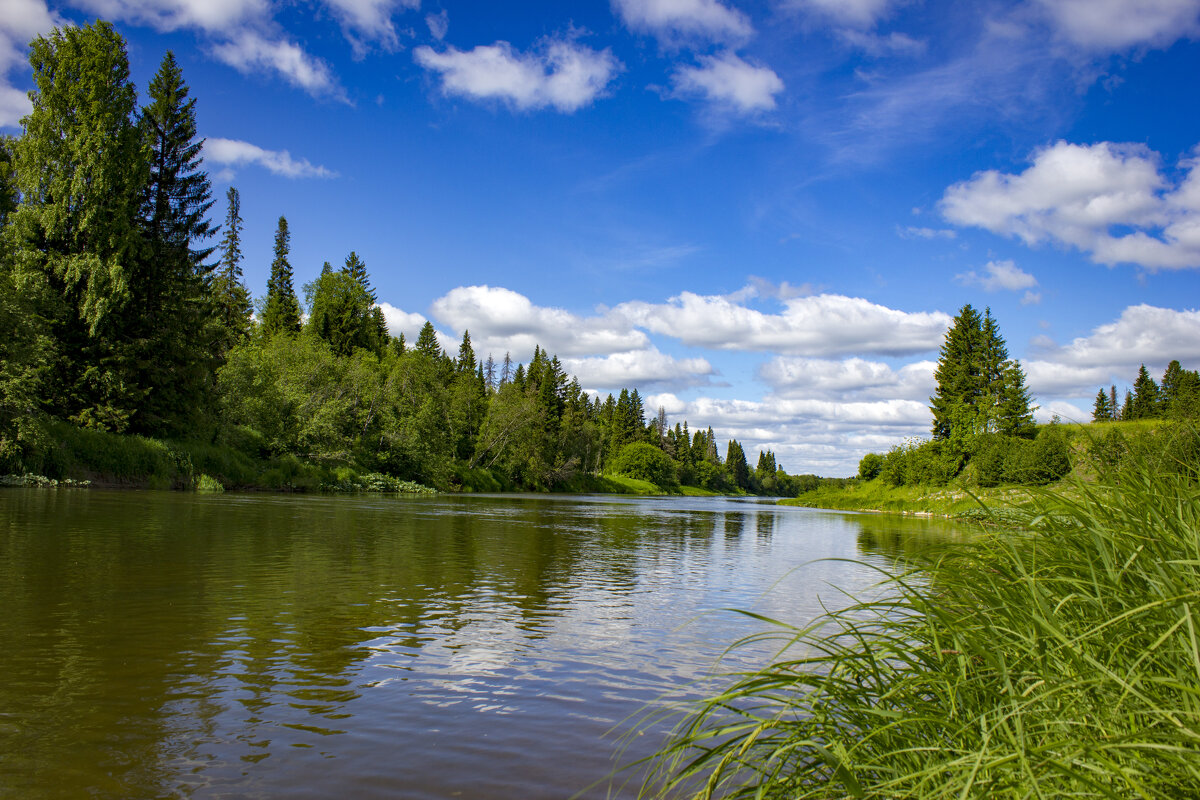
(73, 456)
(875, 495)
(1062, 662)
(70, 455)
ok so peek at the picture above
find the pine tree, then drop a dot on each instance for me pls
(1127, 406)
(229, 292)
(281, 311)
(1101, 409)
(1112, 402)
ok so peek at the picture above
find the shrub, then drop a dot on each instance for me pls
(869, 466)
(646, 462)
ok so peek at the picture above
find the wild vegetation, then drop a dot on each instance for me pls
(130, 347)
(1058, 662)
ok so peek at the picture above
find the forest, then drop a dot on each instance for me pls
(129, 340)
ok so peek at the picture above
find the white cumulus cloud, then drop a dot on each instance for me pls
(234, 153)
(673, 19)
(849, 379)
(998, 275)
(1114, 25)
(728, 81)
(821, 325)
(502, 320)
(648, 368)
(406, 323)
(211, 16)
(561, 74)
(1107, 200)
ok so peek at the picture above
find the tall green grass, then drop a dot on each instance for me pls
(1063, 661)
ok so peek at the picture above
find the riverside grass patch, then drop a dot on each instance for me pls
(1060, 661)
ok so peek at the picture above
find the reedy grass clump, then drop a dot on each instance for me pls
(1063, 661)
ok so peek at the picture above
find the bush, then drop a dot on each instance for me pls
(869, 466)
(646, 462)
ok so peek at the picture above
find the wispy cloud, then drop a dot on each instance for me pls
(234, 153)
(998, 275)
(249, 53)
(675, 20)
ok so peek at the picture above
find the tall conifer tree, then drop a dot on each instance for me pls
(176, 322)
(229, 292)
(281, 312)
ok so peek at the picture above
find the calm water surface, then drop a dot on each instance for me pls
(157, 644)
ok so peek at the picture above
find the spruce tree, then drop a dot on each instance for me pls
(979, 389)
(1145, 396)
(427, 342)
(958, 373)
(466, 355)
(1101, 410)
(736, 466)
(281, 311)
(229, 292)
(357, 270)
(177, 328)
(1112, 402)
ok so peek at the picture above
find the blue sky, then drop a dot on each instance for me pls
(762, 214)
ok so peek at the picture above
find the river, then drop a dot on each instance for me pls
(160, 644)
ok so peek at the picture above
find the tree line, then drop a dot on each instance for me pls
(116, 314)
(1178, 396)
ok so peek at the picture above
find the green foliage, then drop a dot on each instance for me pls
(736, 466)
(920, 463)
(869, 466)
(209, 484)
(230, 296)
(1057, 663)
(281, 310)
(979, 390)
(339, 312)
(80, 166)
(1102, 409)
(646, 462)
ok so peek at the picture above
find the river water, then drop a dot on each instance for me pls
(159, 644)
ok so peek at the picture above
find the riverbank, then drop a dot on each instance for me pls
(70, 456)
(953, 502)
(1062, 661)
